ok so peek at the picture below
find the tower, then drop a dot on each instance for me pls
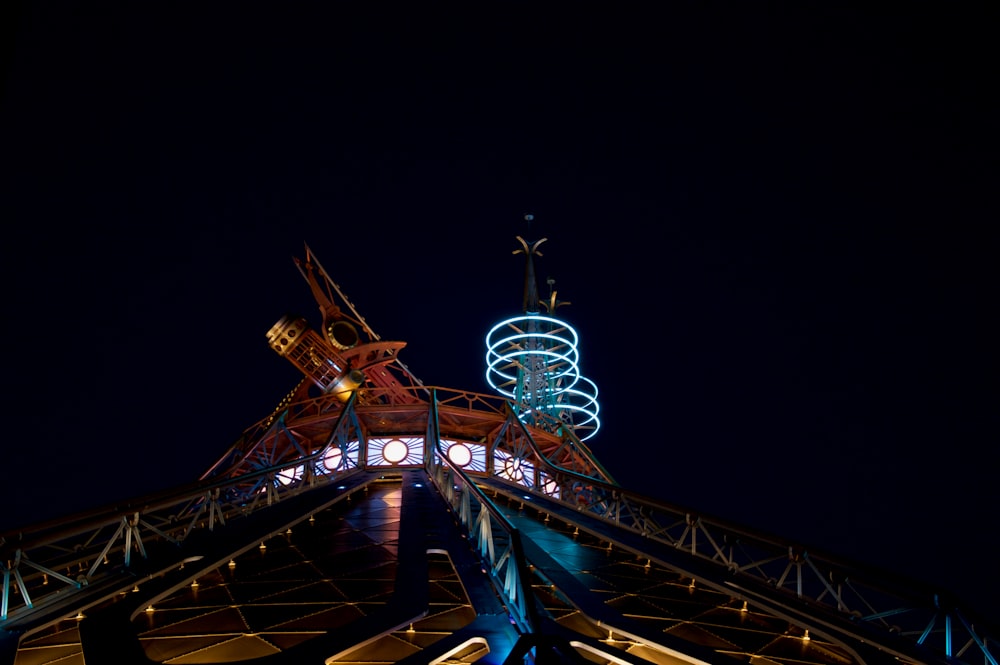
(370, 518)
(533, 359)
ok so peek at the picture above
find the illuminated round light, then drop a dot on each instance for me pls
(333, 458)
(512, 469)
(460, 454)
(395, 451)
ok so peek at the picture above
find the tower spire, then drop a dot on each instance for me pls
(530, 250)
(534, 360)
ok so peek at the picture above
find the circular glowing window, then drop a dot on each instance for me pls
(512, 469)
(334, 456)
(460, 454)
(395, 451)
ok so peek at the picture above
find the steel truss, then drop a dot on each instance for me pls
(58, 569)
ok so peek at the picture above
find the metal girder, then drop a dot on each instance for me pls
(94, 547)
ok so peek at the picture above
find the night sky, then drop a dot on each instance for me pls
(775, 226)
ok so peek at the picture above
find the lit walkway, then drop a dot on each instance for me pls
(661, 595)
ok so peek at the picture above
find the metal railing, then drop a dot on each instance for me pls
(42, 565)
(497, 541)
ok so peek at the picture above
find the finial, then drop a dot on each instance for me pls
(530, 250)
(552, 303)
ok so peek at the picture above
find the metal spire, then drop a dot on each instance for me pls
(530, 249)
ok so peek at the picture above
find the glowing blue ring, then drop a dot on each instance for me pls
(541, 349)
(548, 319)
(556, 366)
(573, 369)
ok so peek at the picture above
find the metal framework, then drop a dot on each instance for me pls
(548, 530)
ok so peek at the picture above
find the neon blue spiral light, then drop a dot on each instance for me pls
(534, 361)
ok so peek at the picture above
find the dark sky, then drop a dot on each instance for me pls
(775, 225)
